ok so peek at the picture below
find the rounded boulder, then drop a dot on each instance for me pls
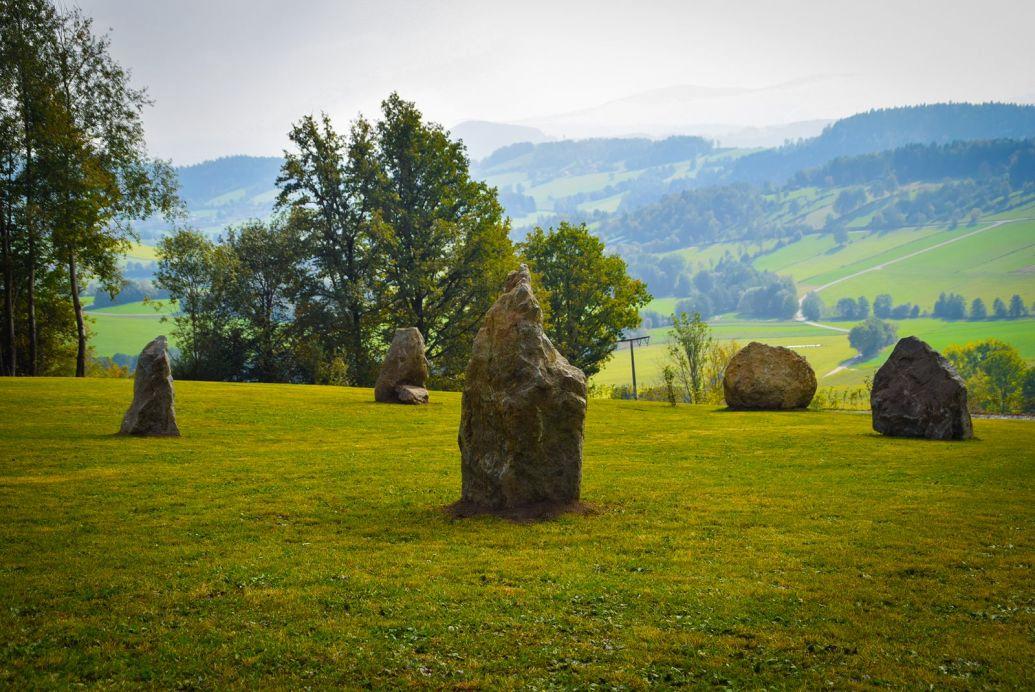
(773, 378)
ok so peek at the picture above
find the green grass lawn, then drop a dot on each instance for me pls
(112, 333)
(140, 308)
(294, 537)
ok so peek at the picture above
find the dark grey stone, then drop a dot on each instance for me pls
(917, 393)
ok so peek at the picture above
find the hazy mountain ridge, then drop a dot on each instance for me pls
(595, 178)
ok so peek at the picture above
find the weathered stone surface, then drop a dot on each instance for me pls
(410, 394)
(522, 412)
(766, 377)
(404, 373)
(917, 393)
(152, 411)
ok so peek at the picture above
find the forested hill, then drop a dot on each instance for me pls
(881, 130)
(914, 184)
(577, 157)
(248, 175)
(593, 179)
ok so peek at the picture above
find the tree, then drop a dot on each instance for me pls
(187, 269)
(994, 371)
(1028, 391)
(591, 298)
(100, 178)
(978, 311)
(950, 306)
(812, 306)
(82, 163)
(690, 340)
(720, 353)
(862, 308)
(999, 309)
(871, 336)
(441, 235)
(1017, 307)
(847, 308)
(882, 306)
(328, 185)
(262, 271)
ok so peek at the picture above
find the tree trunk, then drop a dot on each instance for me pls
(10, 360)
(33, 350)
(80, 325)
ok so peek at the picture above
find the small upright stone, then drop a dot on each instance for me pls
(404, 374)
(917, 393)
(152, 412)
(763, 377)
(522, 412)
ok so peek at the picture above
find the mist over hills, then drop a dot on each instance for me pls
(482, 137)
(540, 181)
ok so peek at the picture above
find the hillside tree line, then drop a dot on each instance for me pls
(377, 228)
(74, 177)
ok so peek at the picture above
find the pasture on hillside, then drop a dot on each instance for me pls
(826, 349)
(295, 537)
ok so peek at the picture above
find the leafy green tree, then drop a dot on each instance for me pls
(862, 308)
(1017, 307)
(85, 171)
(591, 298)
(188, 267)
(871, 336)
(882, 306)
(812, 307)
(100, 176)
(994, 371)
(950, 306)
(441, 235)
(1028, 391)
(999, 309)
(260, 280)
(978, 311)
(847, 309)
(327, 183)
(689, 342)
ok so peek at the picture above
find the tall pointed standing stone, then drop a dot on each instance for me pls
(404, 374)
(522, 413)
(152, 412)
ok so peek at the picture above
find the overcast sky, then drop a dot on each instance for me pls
(229, 76)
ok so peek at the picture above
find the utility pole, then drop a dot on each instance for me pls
(632, 355)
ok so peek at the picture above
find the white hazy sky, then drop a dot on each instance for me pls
(229, 76)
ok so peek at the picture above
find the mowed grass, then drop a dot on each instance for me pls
(990, 263)
(114, 332)
(139, 308)
(294, 537)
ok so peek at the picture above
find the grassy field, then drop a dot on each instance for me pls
(112, 333)
(139, 308)
(294, 537)
(823, 348)
(982, 261)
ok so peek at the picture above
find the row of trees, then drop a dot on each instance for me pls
(379, 228)
(953, 306)
(74, 175)
(949, 306)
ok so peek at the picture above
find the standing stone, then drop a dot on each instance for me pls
(404, 373)
(917, 393)
(522, 411)
(763, 377)
(152, 412)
